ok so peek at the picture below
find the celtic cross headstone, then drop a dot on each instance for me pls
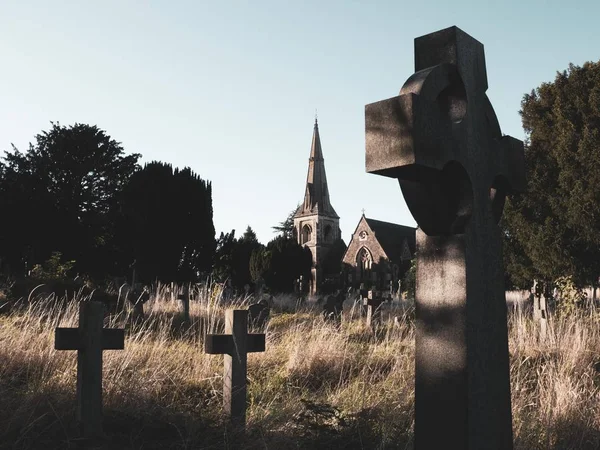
(441, 139)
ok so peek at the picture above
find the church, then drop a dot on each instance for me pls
(378, 252)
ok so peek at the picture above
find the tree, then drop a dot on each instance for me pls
(286, 228)
(287, 260)
(167, 223)
(242, 252)
(332, 263)
(553, 229)
(259, 264)
(61, 195)
(223, 266)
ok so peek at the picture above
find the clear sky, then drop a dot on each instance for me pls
(230, 88)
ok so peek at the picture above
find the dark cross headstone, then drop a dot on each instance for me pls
(235, 345)
(89, 339)
(373, 304)
(258, 313)
(441, 139)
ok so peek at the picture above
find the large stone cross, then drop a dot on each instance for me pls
(441, 139)
(89, 339)
(235, 345)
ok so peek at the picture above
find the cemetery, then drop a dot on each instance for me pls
(406, 338)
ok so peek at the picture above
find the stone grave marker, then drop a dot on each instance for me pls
(184, 296)
(235, 345)
(441, 139)
(89, 339)
(258, 313)
(333, 307)
(540, 311)
(373, 304)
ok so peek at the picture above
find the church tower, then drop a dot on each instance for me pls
(316, 224)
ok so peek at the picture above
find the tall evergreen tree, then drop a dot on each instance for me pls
(167, 223)
(242, 253)
(223, 262)
(287, 261)
(286, 228)
(553, 229)
(61, 195)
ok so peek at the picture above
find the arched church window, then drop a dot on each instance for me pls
(306, 233)
(364, 261)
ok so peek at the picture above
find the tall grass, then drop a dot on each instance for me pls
(316, 386)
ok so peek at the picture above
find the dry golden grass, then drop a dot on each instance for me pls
(314, 387)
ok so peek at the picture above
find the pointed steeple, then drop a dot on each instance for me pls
(316, 196)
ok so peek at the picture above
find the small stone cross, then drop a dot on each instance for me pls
(235, 346)
(373, 304)
(441, 139)
(89, 339)
(540, 312)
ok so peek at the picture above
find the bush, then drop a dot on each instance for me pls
(52, 269)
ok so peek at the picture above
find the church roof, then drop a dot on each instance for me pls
(316, 194)
(391, 237)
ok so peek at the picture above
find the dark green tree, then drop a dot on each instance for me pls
(287, 261)
(167, 223)
(259, 263)
(223, 263)
(553, 229)
(62, 195)
(286, 228)
(332, 264)
(242, 252)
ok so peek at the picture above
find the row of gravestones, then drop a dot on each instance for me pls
(371, 302)
(441, 140)
(90, 339)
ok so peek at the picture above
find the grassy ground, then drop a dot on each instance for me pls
(314, 387)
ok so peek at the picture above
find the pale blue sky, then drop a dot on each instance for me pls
(230, 88)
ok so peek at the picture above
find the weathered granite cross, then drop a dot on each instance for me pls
(235, 345)
(441, 139)
(90, 339)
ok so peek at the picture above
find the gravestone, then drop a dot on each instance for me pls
(235, 346)
(373, 304)
(258, 313)
(540, 311)
(89, 339)
(184, 296)
(441, 139)
(333, 307)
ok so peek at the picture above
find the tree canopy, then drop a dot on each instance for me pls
(61, 195)
(167, 223)
(553, 229)
(77, 194)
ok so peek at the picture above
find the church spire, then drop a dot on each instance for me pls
(316, 196)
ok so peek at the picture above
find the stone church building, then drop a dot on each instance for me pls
(378, 251)
(316, 224)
